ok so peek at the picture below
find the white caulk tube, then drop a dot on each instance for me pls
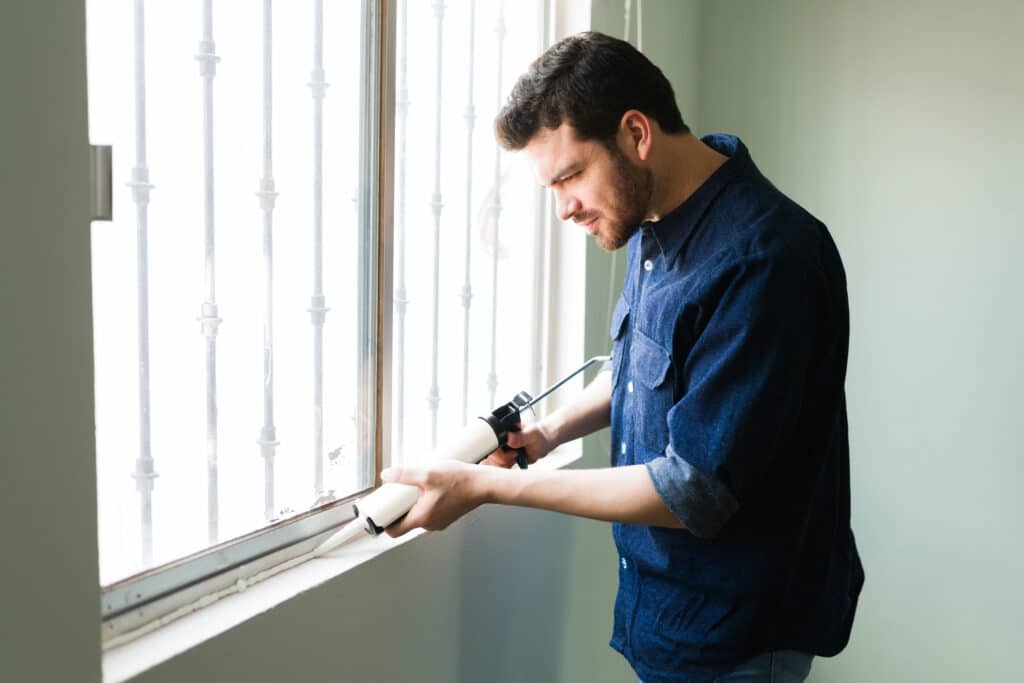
(478, 439)
(387, 504)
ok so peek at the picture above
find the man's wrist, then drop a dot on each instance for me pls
(486, 483)
(551, 427)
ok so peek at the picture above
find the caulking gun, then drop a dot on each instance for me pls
(478, 439)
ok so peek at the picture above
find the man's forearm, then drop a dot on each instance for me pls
(622, 494)
(589, 412)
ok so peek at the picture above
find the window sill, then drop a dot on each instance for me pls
(207, 620)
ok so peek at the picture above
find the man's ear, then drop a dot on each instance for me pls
(637, 129)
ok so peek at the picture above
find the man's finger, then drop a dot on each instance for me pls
(500, 459)
(516, 440)
(404, 474)
(401, 527)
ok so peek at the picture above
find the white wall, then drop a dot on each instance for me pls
(900, 126)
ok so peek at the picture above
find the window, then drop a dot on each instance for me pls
(319, 261)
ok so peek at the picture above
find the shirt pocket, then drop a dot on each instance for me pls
(620, 318)
(650, 363)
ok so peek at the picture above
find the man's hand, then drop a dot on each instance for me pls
(535, 438)
(448, 490)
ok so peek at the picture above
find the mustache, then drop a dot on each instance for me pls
(581, 218)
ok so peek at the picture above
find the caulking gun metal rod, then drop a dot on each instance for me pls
(595, 359)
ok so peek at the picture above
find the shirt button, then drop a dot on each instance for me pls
(629, 386)
(648, 266)
(623, 448)
(624, 563)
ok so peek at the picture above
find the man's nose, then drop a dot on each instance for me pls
(567, 207)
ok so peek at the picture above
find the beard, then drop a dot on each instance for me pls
(631, 196)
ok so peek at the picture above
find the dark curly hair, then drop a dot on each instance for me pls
(588, 80)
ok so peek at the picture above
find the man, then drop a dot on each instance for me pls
(729, 486)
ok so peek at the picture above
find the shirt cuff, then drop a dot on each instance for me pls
(702, 504)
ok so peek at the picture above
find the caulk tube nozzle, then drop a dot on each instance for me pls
(390, 502)
(386, 505)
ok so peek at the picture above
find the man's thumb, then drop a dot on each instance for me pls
(401, 475)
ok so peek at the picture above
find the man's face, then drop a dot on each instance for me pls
(597, 187)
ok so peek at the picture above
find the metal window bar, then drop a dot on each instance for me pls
(208, 317)
(401, 296)
(640, 25)
(627, 8)
(317, 305)
(467, 287)
(492, 378)
(433, 397)
(145, 472)
(540, 285)
(268, 434)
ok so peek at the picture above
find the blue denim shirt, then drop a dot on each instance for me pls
(728, 364)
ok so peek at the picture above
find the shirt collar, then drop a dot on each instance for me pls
(670, 233)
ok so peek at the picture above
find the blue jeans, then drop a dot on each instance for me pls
(780, 666)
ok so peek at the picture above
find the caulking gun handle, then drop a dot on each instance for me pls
(521, 459)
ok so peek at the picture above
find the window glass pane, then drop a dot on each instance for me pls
(481, 206)
(151, 344)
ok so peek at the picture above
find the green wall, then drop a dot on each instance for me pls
(49, 579)
(899, 125)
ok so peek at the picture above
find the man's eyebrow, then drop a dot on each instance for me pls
(566, 171)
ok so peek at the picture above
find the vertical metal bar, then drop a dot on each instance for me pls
(467, 287)
(492, 378)
(401, 296)
(434, 397)
(317, 305)
(537, 335)
(268, 434)
(640, 25)
(208, 317)
(626, 10)
(145, 472)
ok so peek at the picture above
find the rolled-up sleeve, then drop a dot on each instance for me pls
(702, 504)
